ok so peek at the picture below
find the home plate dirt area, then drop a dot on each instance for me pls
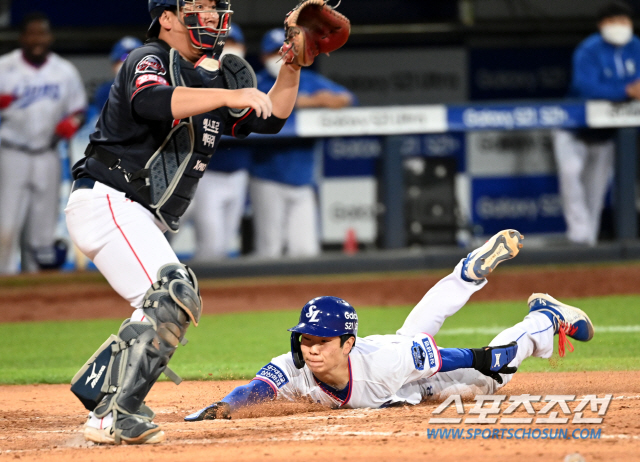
(44, 422)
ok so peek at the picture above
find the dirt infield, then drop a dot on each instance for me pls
(44, 422)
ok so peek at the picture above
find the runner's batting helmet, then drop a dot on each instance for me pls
(323, 317)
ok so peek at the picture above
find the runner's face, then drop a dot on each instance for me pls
(323, 354)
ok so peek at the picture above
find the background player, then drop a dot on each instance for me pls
(606, 65)
(42, 100)
(123, 198)
(222, 193)
(282, 180)
(332, 366)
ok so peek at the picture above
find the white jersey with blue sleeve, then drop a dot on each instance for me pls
(380, 366)
(43, 96)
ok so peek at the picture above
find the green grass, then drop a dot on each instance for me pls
(237, 345)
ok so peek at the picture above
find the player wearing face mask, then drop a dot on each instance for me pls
(282, 175)
(606, 65)
(222, 192)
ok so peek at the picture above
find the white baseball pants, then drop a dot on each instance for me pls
(29, 194)
(284, 216)
(534, 336)
(217, 211)
(121, 237)
(584, 171)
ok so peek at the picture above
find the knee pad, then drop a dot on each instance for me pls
(142, 350)
(177, 287)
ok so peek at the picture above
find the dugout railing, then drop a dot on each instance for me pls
(393, 122)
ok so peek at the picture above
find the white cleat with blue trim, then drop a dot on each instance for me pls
(501, 247)
(567, 320)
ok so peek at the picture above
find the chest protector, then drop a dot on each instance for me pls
(170, 177)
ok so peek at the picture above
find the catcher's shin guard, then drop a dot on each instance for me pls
(143, 349)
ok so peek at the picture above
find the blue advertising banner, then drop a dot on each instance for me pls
(514, 117)
(357, 156)
(353, 156)
(529, 204)
(438, 145)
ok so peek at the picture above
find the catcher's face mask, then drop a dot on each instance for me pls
(208, 23)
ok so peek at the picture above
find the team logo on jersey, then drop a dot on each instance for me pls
(31, 94)
(419, 356)
(151, 63)
(313, 314)
(273, 374)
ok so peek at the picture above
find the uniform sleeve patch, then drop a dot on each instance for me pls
(431, 354)
(150, 64)
(145, 79)
(419, 356)
(274, 374)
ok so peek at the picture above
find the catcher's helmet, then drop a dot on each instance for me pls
(156, 7)
(202, 36)
(323, 317)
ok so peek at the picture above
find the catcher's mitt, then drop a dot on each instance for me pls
(311, 28)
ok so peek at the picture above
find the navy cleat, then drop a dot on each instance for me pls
(567, 320)
(501, 247)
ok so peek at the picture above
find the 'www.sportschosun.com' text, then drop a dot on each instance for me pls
(514, 433)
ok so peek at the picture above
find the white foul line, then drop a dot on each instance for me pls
(497, 330)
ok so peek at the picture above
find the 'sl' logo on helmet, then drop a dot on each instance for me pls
(313, 314)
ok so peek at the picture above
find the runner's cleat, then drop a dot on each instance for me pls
(501, 247)
(567, 320)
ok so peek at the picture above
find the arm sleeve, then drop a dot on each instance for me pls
(254, 392)
(456, 358)
(587, 81)
(250, 123)
(154, 103)
(144, 76)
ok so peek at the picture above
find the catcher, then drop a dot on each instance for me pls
(334, 367)
(170, 103)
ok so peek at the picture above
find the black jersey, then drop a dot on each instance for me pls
(134, 139)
